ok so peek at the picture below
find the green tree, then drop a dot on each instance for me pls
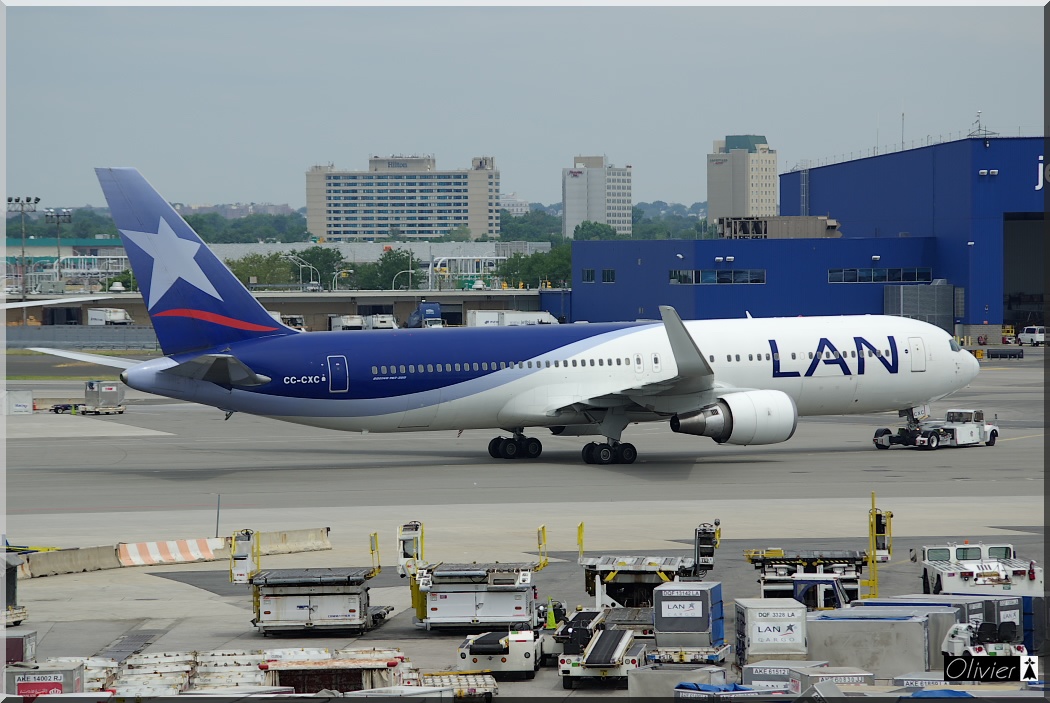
(381, 274)
(534, 226)
(593, 230)
(210, 226)
(327, 261)
(125, 278)
(265, 269)
(87, 223)
(459, 234)
(554, 266)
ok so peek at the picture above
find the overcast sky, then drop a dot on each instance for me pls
(235, 104)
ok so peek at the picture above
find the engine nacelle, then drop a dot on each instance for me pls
(747, 417)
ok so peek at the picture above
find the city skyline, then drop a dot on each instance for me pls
(236, 104)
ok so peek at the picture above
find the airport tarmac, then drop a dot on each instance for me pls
(159, 471)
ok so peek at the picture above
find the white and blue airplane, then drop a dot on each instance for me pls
(741, 381)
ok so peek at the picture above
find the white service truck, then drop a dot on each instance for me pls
(960, 428)
(109, 316)
(509, 318)
(978, 569)
(338, 323)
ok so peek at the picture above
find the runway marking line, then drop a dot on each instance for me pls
(1027, 436)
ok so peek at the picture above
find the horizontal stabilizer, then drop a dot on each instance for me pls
(100, 359)
(54, 301)
(221, 369)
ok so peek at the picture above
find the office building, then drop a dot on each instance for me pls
(742, 178)
(593, 191)
(404, 197)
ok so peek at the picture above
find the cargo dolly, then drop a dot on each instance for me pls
(315, 599)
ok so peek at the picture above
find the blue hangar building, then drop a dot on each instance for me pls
(966, 215)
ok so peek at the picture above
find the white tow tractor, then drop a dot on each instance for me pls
(960, 428)
(514, 652)
(983, 640)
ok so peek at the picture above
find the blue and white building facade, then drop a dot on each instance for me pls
(966, 213)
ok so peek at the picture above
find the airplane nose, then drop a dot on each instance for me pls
(975, 367)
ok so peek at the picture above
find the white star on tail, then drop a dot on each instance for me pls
(172, 259)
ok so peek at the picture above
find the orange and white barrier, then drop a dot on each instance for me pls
(172, 552)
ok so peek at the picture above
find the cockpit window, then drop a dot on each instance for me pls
(955, 345)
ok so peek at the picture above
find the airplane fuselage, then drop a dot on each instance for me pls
(467, 378)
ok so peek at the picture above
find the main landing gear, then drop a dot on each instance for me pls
(611, 453)
(517, 447)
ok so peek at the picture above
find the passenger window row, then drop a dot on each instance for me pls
(777, 357)
(493, 366)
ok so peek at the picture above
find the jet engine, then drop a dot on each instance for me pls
(747, 417)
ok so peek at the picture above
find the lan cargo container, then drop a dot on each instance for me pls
(770, 628)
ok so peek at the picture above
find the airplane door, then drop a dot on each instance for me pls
(918, 353)
(338, 376)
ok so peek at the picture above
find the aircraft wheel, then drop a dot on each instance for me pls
(991, 439)
(626, 453)
(533, 448)
(510, 449)
(603, 454)
(494, 447)
(588, 452)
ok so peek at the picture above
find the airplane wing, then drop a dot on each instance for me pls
(694, 373)
(222, 369)
(52, 301)
(100, 359)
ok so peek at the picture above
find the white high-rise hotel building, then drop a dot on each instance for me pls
(592, 191)
(403, 193)
(742, 178)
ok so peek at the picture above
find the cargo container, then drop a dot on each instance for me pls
(62, 678)
(885, 641)
(658, 681)
(770, 628)
(774, 673)
(21, 645)
(803, 678)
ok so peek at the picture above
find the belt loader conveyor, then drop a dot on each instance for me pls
(609, 655)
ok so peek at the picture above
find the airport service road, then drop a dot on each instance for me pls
(157, 472)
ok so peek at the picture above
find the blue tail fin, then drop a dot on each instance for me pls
(194, 301)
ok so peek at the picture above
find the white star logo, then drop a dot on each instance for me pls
(172, 259)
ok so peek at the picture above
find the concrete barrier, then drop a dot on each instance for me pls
(290, 541)
(75, 561)
(179, 551)
(69, 561)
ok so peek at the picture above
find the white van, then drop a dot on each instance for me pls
(1032, 335)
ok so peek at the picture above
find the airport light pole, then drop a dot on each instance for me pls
(339, 273)
(23, 205)
(393, 281)
(298, 261)
(58, 217)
